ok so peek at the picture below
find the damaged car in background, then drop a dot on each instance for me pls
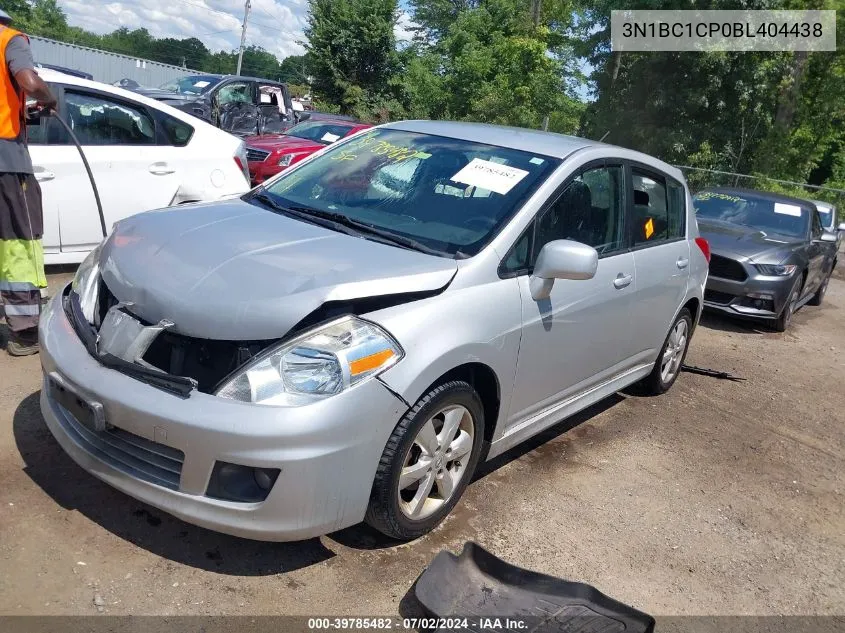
(349, 342)
(770, 253)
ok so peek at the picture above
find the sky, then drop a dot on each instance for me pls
(275, 25)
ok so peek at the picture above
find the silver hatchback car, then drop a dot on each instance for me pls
(349, 341)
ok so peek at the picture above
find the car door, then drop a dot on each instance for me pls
(579, 336)
(817, 253)
(118, 137)
(273, 110)
(661, 255)
(235, 107)
(41, 132)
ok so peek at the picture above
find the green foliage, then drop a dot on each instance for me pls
(353, 49)
(486, 61)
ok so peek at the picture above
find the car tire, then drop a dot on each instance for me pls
(410, 511)
(819, 296)
(785, 318)
(671, 357)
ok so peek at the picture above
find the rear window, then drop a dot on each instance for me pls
(758, 212)
(325, 132)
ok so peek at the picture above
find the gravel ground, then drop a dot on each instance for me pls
(717, 498)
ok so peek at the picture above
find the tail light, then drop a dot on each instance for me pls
(241, 161)
(704, 245)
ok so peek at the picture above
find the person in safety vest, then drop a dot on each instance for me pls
(21, 218)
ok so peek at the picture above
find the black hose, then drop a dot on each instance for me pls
(87, 169)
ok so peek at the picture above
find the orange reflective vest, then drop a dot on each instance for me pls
(12, 99)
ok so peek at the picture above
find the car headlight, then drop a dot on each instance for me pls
(86, 283)
(317, 364)
(776, 270)
(287, 159)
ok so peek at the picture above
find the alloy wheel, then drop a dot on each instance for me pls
(436, 462)
(674, 352)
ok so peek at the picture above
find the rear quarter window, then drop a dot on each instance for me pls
(176, 132)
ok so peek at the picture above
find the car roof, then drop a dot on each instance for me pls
(765, 195)
(547, 143)
(72, 80)
(822, 203)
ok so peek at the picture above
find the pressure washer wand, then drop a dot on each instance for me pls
(43, 113)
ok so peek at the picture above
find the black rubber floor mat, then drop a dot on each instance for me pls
(493, 594)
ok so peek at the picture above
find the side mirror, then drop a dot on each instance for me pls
(562, 259)
(303, 116)
(828, 236)
(841, 227)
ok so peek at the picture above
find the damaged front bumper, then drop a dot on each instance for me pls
(168, 450)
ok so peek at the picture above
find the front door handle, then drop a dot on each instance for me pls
(42, 175)
(682, 262)
(161, 169)
(623, 281)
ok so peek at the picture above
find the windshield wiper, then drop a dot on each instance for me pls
(342, 223)
(365, 227)
(264, 198)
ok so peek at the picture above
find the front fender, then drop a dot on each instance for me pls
(478, 324)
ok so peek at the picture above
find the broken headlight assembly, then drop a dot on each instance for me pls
(86, 283)
(320, 363)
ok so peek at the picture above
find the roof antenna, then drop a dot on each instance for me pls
(604, 137)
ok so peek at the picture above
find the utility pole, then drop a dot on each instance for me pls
(535, 16)
(243, 37)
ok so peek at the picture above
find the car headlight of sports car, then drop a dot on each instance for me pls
(776, 270)
(86, 283)
(320, 363)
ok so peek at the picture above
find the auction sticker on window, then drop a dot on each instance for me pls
(486, 174)
(331, 138)
(788, 209)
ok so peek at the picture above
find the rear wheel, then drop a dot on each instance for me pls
(428, 462)
(671, 357)
(819, 296)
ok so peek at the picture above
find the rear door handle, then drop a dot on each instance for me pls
(682, 262)
(161, 169)
(42, 175)
(623, 281)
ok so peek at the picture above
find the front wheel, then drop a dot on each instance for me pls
(671, 357)
(785, 318)
(819, 296)
(428, 462)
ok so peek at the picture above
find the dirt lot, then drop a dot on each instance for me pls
(718, 498)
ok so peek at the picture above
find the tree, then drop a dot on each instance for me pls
(353, 48)
(490, 63)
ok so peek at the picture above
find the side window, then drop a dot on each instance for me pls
(234, 92)
(677, 210)
(651, 214)
(177, 132)
(519, 258)
(589, 211)
(817, 226)
(36, 129)
(99, 120)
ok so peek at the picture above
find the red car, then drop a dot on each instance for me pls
(270, 154)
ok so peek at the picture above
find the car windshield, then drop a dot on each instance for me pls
(325, 132)
(191, 85)
(449, 195)
(758, 212)
(825, 215)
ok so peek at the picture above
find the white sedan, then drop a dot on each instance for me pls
(143, 154)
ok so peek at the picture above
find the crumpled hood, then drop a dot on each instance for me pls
(740, 242)
(232, 270)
